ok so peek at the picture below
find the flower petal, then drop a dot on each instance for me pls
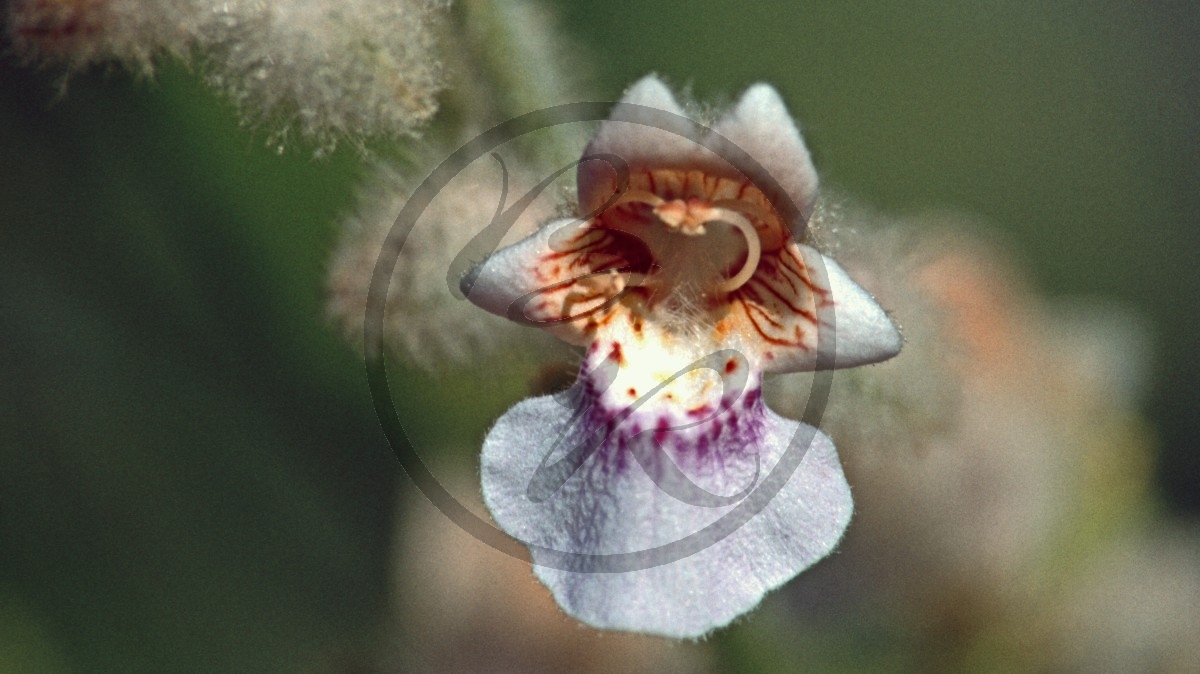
(801, 304)
(641, 141)
(563, 278)
(665, 582)
(646, 141)
(760, 125)
(864, 333)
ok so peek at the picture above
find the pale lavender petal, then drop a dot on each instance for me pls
(556, 278)
(864, 333)
(512, 272)
(853, 326)
(760, 125)
(800, 311)
(647, 140)
(611, 504)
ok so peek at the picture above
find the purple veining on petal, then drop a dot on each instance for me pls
(694, 438)
(601, 511)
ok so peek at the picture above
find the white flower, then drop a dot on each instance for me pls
(645, 495)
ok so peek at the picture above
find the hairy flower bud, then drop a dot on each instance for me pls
(317, 69)
(326, 70)
(424, 322)
(78, 33)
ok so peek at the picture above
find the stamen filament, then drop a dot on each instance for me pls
(753, 249)
(724, 212)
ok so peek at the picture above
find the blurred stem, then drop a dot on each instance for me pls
(509, 47)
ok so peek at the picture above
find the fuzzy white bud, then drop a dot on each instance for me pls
(424, 322)
(323, 70)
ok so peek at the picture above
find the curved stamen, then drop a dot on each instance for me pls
(726, 210)
(753, 248)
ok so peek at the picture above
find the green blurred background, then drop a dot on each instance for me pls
(192, 477)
